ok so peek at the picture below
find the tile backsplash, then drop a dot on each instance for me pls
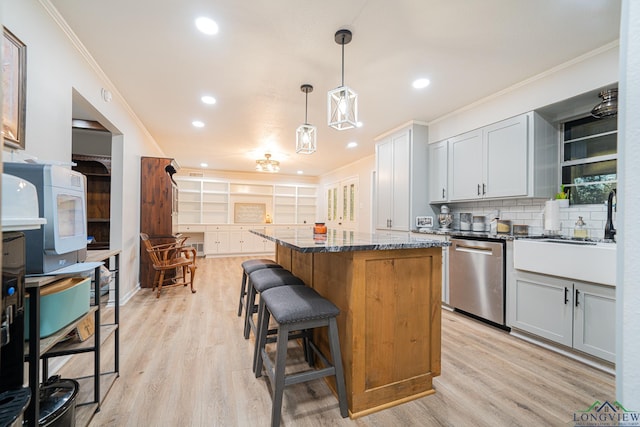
(531, 212)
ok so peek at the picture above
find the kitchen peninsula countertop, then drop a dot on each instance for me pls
(305, 241)
(388, 289)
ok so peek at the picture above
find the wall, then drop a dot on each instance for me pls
(583, 74)
(530, 212)
(363, 169)
(628, 273)
(56, 70)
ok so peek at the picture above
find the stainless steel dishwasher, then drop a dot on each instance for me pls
(477, 278)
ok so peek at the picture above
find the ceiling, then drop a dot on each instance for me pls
(266, 49)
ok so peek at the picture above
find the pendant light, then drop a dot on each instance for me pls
(306, 133)
(342, 101)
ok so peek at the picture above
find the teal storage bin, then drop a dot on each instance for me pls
(61, 303)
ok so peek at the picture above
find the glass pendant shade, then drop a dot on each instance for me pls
(342, 108)
(306, 133)
(342, 102)
(306, 139)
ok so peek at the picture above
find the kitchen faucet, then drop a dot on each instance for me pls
(609, 231)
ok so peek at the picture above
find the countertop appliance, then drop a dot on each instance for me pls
(477, 278)
(62, 239)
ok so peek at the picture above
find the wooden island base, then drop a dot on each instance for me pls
(389, 319)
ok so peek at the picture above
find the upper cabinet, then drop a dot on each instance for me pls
(401, 178)
(517, 157)
(438, 167)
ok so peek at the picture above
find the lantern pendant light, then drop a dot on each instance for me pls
(342, 101)
(306, 133)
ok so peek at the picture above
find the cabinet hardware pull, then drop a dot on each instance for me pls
(478, 189)
(566, 295)
(577, 293)
(443, 194)
(484, 189)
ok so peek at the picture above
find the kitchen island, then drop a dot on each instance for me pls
(388, 289)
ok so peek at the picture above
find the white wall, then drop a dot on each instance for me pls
(583, 74)
(628, 291)
(362, 169)
(55, 68)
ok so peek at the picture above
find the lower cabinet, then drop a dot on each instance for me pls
(572, 313)
(216, 242)
(228, 240)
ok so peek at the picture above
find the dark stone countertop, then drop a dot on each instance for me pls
(303, 240)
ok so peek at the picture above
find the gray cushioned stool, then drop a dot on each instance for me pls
(249, 267)
(297, 308)
(258, 282)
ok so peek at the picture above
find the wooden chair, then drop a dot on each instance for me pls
(171, 256)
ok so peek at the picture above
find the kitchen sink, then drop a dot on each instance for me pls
(583, 260)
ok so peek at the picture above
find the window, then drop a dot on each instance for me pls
(589, 159)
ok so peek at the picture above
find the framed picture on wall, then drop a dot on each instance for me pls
(14, 88)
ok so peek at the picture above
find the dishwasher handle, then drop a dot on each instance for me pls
(474, 249)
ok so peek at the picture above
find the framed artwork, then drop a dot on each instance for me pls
(249, 213)
(14, 88)
(424, 221)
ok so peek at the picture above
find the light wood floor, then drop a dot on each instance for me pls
(184, 363)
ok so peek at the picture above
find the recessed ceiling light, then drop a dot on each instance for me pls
(300, 172)
(204, 165)
(197, 123)
(208, 99)
(207, 25)
(352, 144)
(421, 83)
(359, 124)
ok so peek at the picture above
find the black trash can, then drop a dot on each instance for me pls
(58, 402)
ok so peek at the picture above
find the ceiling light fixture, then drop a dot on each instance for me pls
(342, 101)
(306, 133)
(609, 105)
(267, 165)
(208, 99)
(207, 25)
(421, 83)
(197, 123)
(352, 144)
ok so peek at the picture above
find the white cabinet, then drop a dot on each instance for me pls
(438, 169)
(216, 241)
(465, 166)
(445, 261)
(516, 157)
(401, 179)
(572, 313)
(595, 320)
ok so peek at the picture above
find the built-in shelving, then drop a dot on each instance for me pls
(204, 200)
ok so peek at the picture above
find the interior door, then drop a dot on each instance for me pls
(342, 205)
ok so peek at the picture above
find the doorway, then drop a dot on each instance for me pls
(342, 204)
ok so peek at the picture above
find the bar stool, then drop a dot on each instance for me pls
(258, 282)
(297, 308)
(249, 267)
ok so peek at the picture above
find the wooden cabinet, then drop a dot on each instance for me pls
(569, 312)
(438, 168)
(516, 157)
(97, 169)
(158, 196)
(401, 179)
